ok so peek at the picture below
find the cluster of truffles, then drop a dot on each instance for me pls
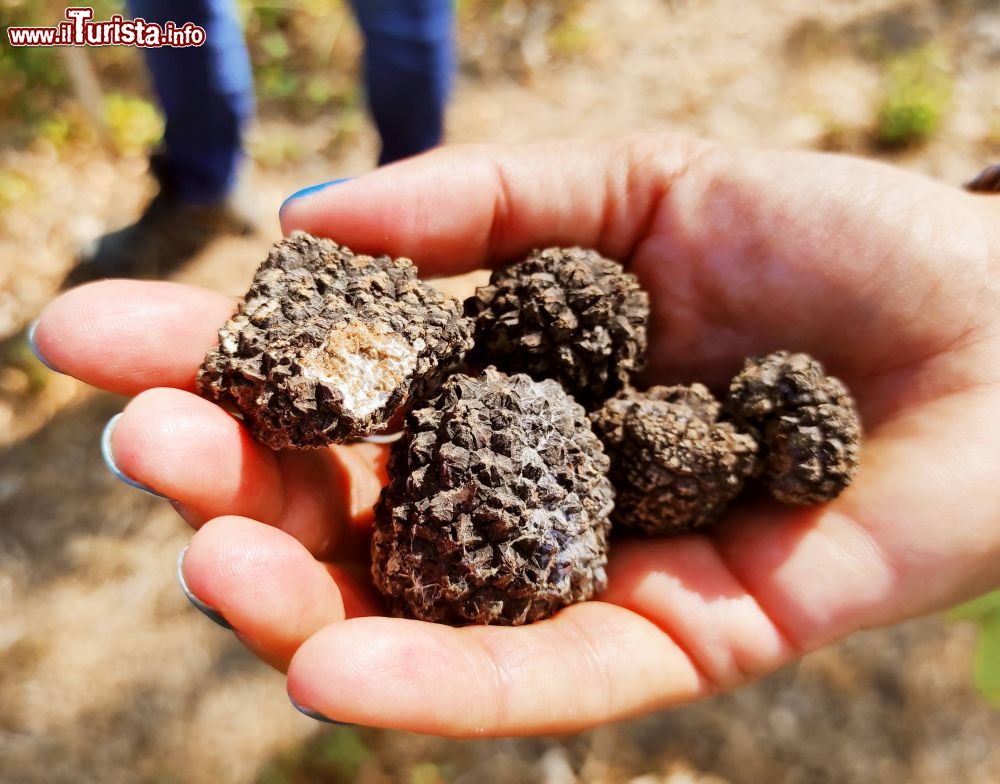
(503, 489)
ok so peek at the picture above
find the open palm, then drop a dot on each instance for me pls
(891, 280)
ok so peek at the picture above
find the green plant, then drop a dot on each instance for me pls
(16, 356)
(916, 93)
(985, 612)
(57, 129)
(272, 147)
(426, 773)
(30, 78)
(343, 751)
(14, 187)
(570, 39)
(135, 124)
(328, 758)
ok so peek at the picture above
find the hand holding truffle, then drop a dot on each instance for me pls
(889, 279)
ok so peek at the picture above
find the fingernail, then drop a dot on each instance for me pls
(33, 345)
(109, 460)
(309, 191)
(316, 715)
(209, 612)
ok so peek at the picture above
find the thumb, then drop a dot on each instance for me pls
(465, 207)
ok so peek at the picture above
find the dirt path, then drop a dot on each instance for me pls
(107, 675)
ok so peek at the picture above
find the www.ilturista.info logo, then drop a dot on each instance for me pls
(79, 30)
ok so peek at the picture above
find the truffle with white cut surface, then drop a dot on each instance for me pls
(329, 345)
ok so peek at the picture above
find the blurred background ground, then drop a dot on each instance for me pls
(107, 675)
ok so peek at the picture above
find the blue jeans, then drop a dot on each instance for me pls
(207, 93)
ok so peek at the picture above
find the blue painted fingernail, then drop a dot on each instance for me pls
(109, 460)
(209, 612)
(316, 715)
(33, 345)
(310, 190)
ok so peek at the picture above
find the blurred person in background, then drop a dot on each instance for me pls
(207, 97)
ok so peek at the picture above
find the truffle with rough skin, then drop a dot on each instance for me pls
(497, 506)
(567, 314)
(808, 425)
(674, 466)
(328, 344)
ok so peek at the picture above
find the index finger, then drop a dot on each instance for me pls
(127, 336)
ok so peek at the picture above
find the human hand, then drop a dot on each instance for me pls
(890, 279)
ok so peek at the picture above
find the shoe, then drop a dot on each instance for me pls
(169, 232)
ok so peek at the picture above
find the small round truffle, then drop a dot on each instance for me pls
(808, 424)
(567, 314)
(674, 466)
(497, 506)
(328, 344)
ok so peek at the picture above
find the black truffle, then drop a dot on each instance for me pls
(808, 425)
(567, 314)
(328, 344)
(496, 511)
(674, 466)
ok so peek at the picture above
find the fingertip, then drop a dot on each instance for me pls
(264, 582)
(126, 335)
(315, 715)
(108, 453)
(201, 606)
(347, 670)
(58, 323)
(31, 335)
(192, 451)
